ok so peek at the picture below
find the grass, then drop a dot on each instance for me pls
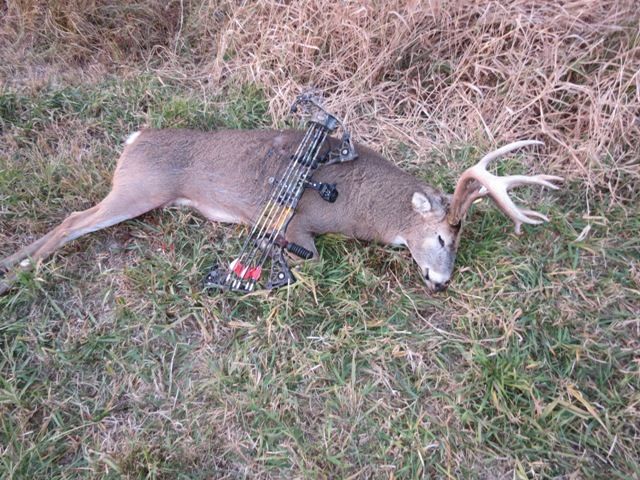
(114, 363)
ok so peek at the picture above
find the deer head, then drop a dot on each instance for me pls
(433, 239)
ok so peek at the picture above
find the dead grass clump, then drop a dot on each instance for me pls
(435, 75)
(78, 33)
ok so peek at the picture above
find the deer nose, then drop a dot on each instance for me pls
(440, 287)
(435, 285)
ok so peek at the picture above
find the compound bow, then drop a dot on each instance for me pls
(266, 239)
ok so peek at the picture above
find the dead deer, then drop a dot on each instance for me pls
(223, 176)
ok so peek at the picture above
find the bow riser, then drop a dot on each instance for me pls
(266, 239)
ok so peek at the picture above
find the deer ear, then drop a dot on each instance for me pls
(421, 203)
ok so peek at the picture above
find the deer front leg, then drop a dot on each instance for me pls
(303, 237)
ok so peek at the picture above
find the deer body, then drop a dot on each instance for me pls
(224, 174)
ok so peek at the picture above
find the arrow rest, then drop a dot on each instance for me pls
(328, 191)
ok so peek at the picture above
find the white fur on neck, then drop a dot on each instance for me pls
(398, 241)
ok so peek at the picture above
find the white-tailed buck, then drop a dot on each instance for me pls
(222, 175)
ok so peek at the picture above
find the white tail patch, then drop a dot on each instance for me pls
(132, 138)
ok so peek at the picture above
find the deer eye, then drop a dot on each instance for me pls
(441, 241)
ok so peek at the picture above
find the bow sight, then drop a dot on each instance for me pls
(266, 239)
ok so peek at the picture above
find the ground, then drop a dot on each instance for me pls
(115, 364)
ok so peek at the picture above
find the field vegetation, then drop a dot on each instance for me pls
(115, 364)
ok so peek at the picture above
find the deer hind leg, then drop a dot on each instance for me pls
(115, 208)
(29, 250)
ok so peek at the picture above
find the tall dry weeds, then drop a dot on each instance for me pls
(429, 74)
(444, 73)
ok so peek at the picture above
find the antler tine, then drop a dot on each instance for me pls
(544, 180)
(476, 182)
(502, 151)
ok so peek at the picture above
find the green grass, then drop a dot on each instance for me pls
(114, 363)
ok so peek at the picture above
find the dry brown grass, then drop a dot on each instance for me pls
(462, 72)
(428, 74)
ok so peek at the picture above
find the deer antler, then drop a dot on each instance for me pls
(477, 182)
